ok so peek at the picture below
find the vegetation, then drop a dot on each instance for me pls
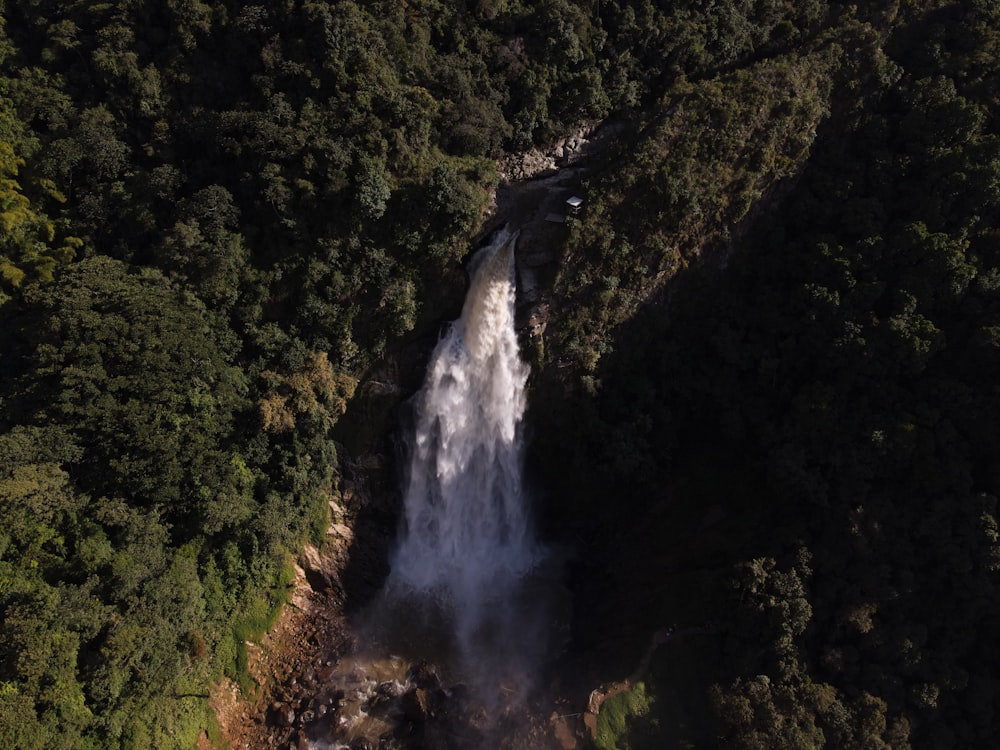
(832, 336)
(617, 713)
(216, 217)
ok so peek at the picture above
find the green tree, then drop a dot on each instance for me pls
(141, 374)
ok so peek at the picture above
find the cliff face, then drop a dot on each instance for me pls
(294, 665)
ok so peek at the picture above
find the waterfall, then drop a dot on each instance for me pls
(467, 537)
(472, 598)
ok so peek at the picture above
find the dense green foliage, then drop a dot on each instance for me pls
(617, 713)
(839, 334)
(216, 216)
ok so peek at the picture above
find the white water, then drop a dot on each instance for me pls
(467, 537)
(470, 590)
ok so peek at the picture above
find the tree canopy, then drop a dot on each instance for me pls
(778, 308)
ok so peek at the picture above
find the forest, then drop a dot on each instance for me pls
(768, 392)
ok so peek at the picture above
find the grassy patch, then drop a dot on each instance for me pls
(619, 718)
(214, 732)
(259, 617)
(319, 518)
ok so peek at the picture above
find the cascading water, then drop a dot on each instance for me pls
(471, 595)
(467, 536)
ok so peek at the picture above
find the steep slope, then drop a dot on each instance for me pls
(781, 433)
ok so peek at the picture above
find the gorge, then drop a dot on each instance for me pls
(755, 424)
(457, 599)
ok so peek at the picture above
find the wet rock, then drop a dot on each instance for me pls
(419, 705)
(590, 722)
(337, 698)
(424, 675)
(534, 255)
(389, 689)
(281, 714)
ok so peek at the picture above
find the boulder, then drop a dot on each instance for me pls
(419, 705)
(424, 675)
(389, 689)
(315, 568)
(282, 715)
